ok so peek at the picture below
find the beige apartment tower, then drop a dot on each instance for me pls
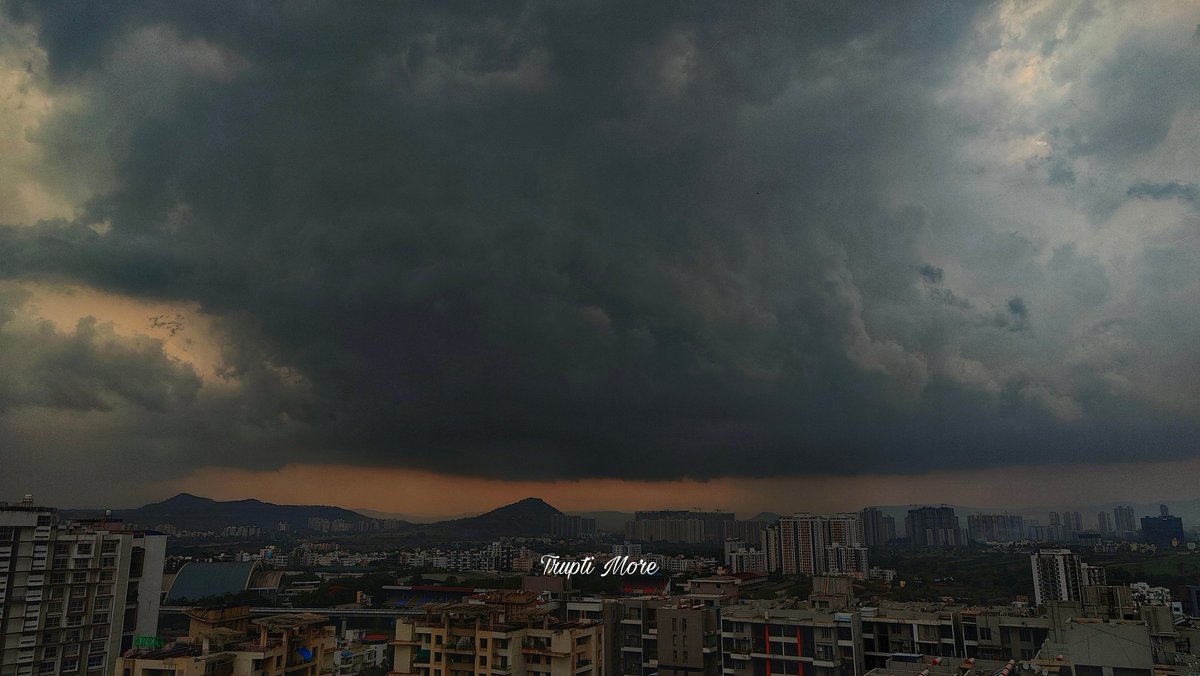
(73, 595)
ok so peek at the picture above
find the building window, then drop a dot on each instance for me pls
(84, 549)
(109, 547)
(69, 666)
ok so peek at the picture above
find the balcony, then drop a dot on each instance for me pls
(544, 651)
(464, 649)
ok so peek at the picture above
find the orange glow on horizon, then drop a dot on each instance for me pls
(432, 495)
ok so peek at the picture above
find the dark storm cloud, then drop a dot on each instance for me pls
(932, 273)
(86, 369)
(1161, 191)
(640, 240)
(1018, 308)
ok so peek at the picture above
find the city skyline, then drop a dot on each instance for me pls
(620, 254)
(569, 501)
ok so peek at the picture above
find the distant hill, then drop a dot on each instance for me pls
(412, 518)
(766, 517)
(191, 512)
(529, 517)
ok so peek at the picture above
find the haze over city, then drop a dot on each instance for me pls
(765, 256)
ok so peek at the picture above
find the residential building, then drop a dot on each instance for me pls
(499, 631)
(925, 628)
(572, 527)
(1003, 633)
(223, 639)
(711, 528)
(995, 527)
(749, 531)
(1072, 521)
(811, 544)
(933, 527)
(878, 527)
(773, 638)
(627, 549)
(73, 594)
(740, 559)
(1059, 575)
(688, 531)
(1123, 517)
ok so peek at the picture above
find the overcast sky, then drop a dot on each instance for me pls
(785, 248)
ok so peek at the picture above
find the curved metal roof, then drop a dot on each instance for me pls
(198, 580)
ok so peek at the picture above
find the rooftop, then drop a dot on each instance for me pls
(291, 620)
(200, 579)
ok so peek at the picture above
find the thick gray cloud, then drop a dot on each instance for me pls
(638, 240)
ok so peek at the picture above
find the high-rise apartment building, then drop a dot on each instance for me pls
(748, 531)
(878, 528)
(1124, 518)
(572, 527)
(1073, 521)
(812, 544)
(690, 531)
(933, 527)
(1059, 575)
(1103, 523)
(711, 525)
(73, 595)
(995, 527)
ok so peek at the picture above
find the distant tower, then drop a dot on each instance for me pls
(1124, 519)
(1163, 511)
